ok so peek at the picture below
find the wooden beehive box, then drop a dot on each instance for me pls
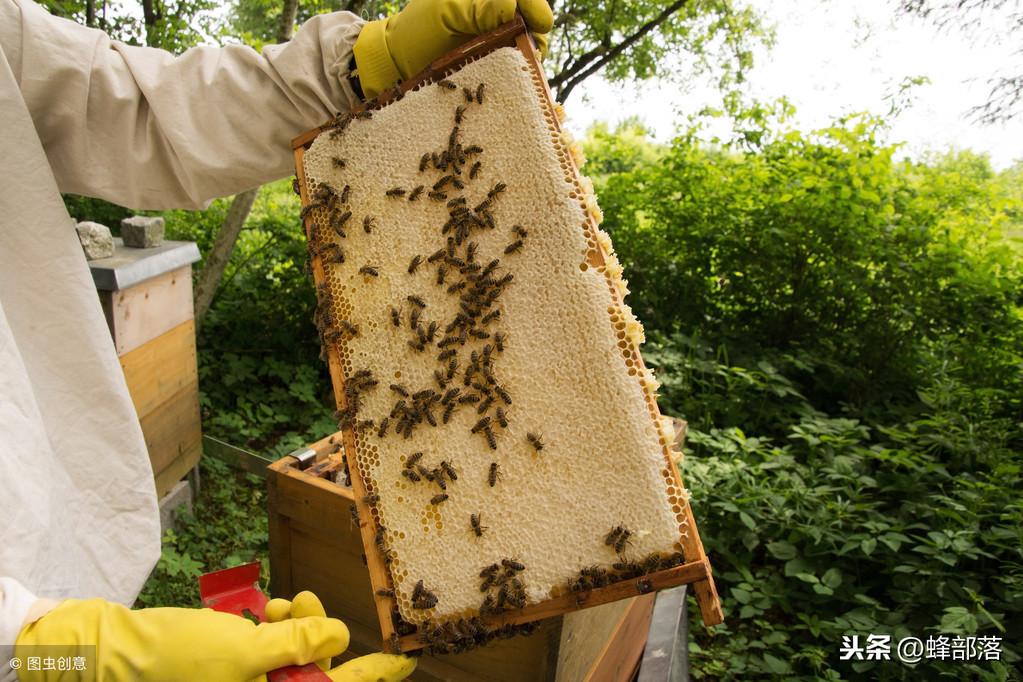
(315, 545)
(146, 296)
(609, 456)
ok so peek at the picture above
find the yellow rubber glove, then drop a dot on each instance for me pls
(389, 50)
(371, 668)
(180, 644)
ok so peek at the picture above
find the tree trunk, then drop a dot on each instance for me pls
(288, 15)
(90, 13)
(218, 257)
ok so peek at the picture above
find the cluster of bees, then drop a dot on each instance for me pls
(618, 538)
(502, 586)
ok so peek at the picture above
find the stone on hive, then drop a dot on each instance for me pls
(96, 240)
(142, 232)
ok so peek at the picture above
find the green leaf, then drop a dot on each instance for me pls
(747, 520)
(832, 578)
(868, 546)
(782, 550)
(776, 665)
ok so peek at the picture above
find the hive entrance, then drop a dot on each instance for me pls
(509, 461)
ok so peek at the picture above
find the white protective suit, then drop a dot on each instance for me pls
(137, 126)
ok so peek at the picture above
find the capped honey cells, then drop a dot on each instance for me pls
(502, 417)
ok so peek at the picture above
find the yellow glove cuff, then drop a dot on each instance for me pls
(377, 70)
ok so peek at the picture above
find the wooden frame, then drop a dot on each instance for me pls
(696, 570)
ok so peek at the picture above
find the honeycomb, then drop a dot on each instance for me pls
(568, 361)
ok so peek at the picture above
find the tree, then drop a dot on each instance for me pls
(1005, 98)
(639, 39)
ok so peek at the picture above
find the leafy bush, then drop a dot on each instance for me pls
(227, 527)
(843, 333)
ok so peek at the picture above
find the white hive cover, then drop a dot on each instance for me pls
(569, 372)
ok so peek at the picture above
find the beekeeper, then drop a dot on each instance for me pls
(137, 126)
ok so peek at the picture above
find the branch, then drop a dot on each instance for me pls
(287, 23)
(576, 74)
(219, 255)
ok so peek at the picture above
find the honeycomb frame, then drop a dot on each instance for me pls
(599, 257)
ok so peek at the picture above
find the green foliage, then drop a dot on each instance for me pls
(262, 384)
(227, 528)
(843, 333)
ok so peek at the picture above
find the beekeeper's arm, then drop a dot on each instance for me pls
(144, 128)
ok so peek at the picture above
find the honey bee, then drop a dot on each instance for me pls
(338, 162)
(494, 474)
(368, 223)
(435, 256)
(457, 201)
(491, 439)
(452, 368)
(417, 345)
(499, 339)
(520, 231)
(535, 440)
(395, 192)
(437, 499)
(399, 389)
(456, 287)
(416, 193)
(424, 161)
(348, 328)
(479, 334)
(479, 93)
(332, 253)
(491, 316)
(477, 528)
(385, 593)
(345, 193)
(503, 395)
(416, 301)
(411, 475)
(513, 247)
(414, 263)
(473, 149)
(413, 318)
(502, 419)
(481, 424)
(443, 181)
(424, 472)
(395, 642)
(364, 115)
(449, 470)
(438, 196)
(485, 405)
(382, 429)
(448, 411)
(395, 316)
(371, 499)
(444, 355)
(469, 398)
(474, 171)
(468, 94)
(369, 270)
(446, 84)
(441, 273)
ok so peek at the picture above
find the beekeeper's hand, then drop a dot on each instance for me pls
(179, 644)
(371, 668)
(402, 45)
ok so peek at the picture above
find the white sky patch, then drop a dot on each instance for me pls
(833, 58)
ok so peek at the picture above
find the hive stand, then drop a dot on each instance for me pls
(696, 570)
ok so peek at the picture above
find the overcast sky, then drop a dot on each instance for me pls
(833, 57)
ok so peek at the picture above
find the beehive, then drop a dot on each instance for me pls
(473, 312)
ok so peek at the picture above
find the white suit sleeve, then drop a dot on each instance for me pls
(146, 129)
